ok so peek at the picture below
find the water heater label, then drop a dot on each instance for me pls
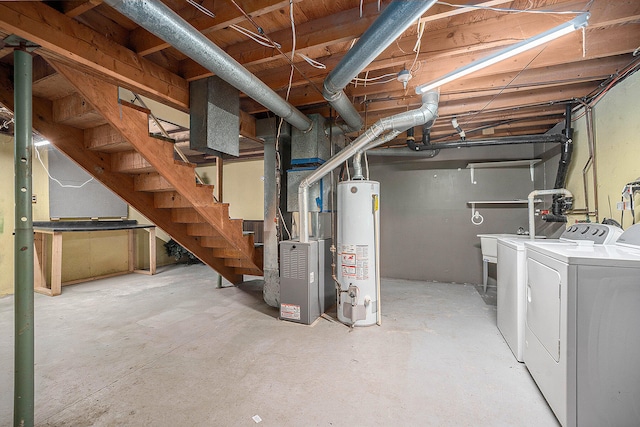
(355, 261)
(290, 311)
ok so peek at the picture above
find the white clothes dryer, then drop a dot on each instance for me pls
(582, 333)
(511, 278)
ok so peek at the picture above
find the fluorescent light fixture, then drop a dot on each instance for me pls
(41, 143)
(576, 23)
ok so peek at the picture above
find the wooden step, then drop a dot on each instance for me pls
(248, 271)
(130, 162)
(151, 182)
(241, 263)
(227, 253)
(213, 242)
(202, 230)
(105, 139)
(74, 111)
(186, 216)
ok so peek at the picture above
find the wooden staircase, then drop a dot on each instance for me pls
(110, 139)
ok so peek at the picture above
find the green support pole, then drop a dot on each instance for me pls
(23, 397)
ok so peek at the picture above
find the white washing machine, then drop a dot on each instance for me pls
(582, 329)
(511, 278)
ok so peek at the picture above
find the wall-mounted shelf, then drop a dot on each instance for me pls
(503, 164)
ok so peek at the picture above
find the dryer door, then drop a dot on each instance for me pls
(543, 305)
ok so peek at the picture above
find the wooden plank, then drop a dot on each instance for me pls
(40, 261)
(145, 43)
(202, 229)
(130, 162)
(227, 253)
(56, 264)
(186, 216)
(247, 125)
(152, 250)
(171, 199)
(131, 250)
(75, 111)
(76, 8)
(151, 182)
(65, 38)
(212, 242)
(316, 34)
(106, 139)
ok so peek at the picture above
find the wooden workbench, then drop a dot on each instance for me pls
(53, 230)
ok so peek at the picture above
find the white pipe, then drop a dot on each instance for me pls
(369, 139)
(376, 238)
(531, 197)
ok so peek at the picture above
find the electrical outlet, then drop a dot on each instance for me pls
(34, 199)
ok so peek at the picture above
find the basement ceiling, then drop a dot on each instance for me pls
(523, 95)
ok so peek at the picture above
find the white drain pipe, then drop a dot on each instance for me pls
(532, 196)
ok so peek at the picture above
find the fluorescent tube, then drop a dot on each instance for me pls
(578, 22)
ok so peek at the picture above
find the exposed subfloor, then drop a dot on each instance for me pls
(174, 350)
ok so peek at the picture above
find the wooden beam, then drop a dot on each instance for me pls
(76, 8)
(450, 48)
(146, 43)
(66, 39)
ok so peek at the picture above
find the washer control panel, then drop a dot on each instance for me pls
(601, 234)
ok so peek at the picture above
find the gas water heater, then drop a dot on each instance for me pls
(357, 248)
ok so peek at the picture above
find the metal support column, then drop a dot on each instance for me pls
(23, 401)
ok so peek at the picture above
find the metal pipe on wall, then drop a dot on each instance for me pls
(511, 140)
(23, 398)
(391, 23)
(160, 20)
(594, 168)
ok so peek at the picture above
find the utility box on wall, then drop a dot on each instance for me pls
(214, 117)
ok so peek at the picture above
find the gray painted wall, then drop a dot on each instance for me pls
(426, 229)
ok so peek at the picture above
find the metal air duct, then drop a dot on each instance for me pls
(372, 137)
(160, 20)
(392, 22)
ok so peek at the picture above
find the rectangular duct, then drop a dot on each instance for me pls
(215, 117)
(312, 147)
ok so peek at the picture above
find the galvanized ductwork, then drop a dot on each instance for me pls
(377, 134)
(392, 22)
(160, 20)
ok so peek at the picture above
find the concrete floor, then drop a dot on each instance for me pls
(172, 350)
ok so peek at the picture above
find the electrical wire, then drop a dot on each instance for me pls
(201, 8)
(506, 10)
(258, 38)
(284, 55)
(631, 68)
(54, 179)
(313, 62)
(284, 224)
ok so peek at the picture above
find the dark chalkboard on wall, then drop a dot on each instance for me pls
(91, 200)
